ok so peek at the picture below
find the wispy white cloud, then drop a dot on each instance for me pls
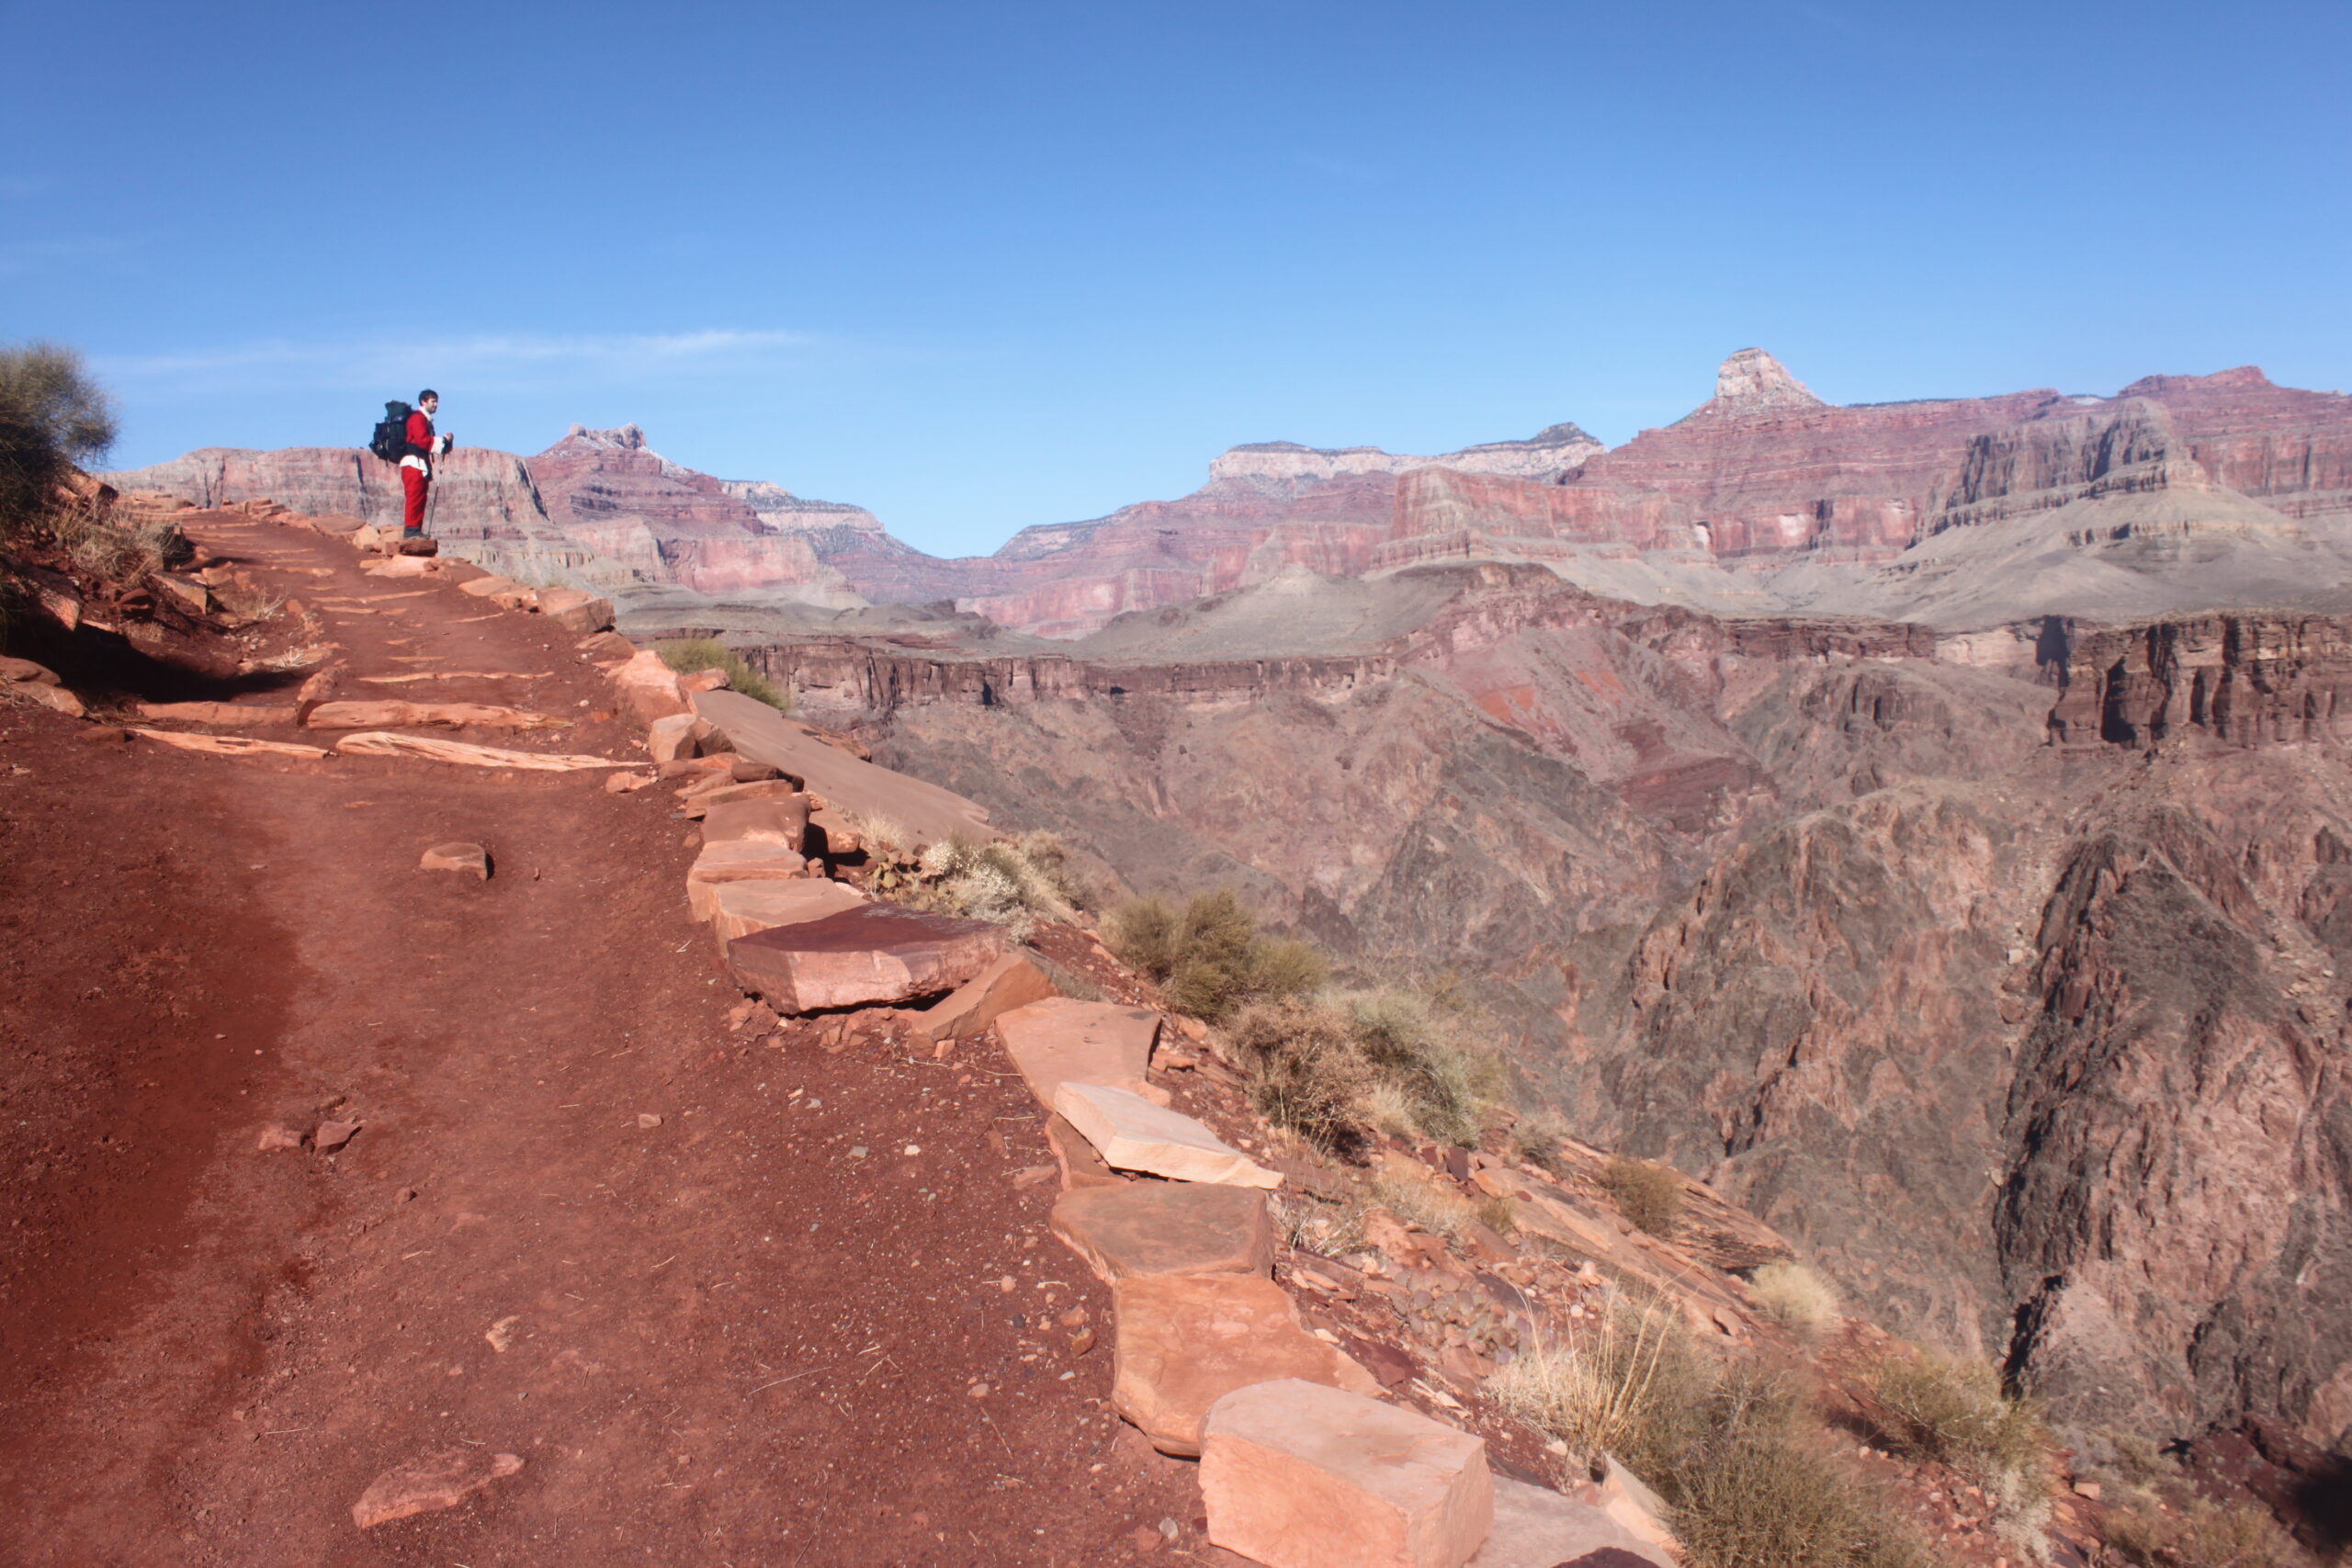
(485, 362)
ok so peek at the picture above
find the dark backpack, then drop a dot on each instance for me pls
(390, 442)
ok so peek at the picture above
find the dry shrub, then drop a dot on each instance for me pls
(1305, 1073)
(1744, 1471)
(1435, 1206)
(1956, 1412)
(1316, 1225)
(1499, 1215)
(1210, 959)
(1536, 1140)
(2204, 1534)
(1795, 1297)
(1012, 882)
(686, 655)
(1648, 1195)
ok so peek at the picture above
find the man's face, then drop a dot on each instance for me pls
(428, 405)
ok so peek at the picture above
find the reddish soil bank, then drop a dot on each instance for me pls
(749, 1333)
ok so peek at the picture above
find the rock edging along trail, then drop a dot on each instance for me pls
(1296, 1442)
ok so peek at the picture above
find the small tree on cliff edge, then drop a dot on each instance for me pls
(52, 416)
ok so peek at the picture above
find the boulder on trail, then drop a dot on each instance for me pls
(471, 859)
(743, 907)
(1011, 982)
(875, 952)
(442, 1479)
(647, 688)
(13, 669)
(1298, 1475)
(1142, 1228)
(1132, 1133)
(737, 860)
(1061, 1040)
(1187, 1340)
(576, 609)
(1538, 1528)
(673, 736)
(47, 696)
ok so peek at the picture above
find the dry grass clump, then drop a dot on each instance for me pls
(1433, 1205)
(1209, 959)
(1649, 1195)
(1012, 881)
(686, 655)
(1444, 1083)
(2203, 1534)
(1956, 1412)
(1795, 1297)
(1744, 1471)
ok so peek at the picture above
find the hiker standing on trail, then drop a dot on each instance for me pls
(416, 464)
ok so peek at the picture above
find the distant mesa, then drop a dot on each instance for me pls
(1764, 498)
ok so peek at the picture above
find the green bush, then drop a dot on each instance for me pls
(1209, 959)
(52, 416)
(686, 655)
(1648, 1195)
(1956, 1412)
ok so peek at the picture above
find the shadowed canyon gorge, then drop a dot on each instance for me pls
(1927, 822)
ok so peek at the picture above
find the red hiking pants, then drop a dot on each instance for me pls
(413, 484)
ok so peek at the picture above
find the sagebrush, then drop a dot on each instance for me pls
(53, 415)
(1210, 958)
(1795, 1297)
(1648, 1194)
(1012, 881)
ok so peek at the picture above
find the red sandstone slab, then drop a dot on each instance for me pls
(1298, 1475)
(743, 907)
(1060, 1040)
(784, 820)
(876, 952)
(1132, 1133)
(1187, 1340)
(737, 860)
(1538, 1528)
(1140, 1229)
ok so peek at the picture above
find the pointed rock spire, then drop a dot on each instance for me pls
(1752, 381)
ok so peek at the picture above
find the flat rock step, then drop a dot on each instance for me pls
(1143, 1228)
(1132, 1133)
(1187, 1340)
(872, 954)
(1298, 1475)
(743, 907)
(1060, 1041)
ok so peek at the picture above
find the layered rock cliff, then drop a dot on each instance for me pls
(2039, 1049)
(1968, 511)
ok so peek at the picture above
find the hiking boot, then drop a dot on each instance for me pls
(417, 543)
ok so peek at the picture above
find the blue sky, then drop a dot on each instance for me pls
(982, 266)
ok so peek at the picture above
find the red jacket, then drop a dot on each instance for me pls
(419, 433)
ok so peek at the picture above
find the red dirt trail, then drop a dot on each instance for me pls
(732, 1338)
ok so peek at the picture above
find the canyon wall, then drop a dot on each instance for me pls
(2008, 979)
